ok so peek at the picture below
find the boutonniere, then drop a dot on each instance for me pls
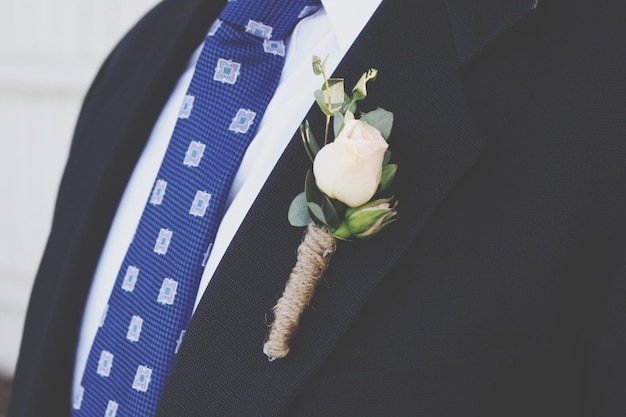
(341, 198)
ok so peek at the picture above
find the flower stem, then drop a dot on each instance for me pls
(328, 105)
(314, 255)
(326, 131)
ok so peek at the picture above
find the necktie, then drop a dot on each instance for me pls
(152, 300)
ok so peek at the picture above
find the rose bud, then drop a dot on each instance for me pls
(369, 219)
(349, 168)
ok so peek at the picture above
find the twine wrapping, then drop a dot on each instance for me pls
(314, 255)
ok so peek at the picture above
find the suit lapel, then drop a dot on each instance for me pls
(477, 24)
(221, 369)
(118, 114)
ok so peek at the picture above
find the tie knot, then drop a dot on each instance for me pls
(268, 19)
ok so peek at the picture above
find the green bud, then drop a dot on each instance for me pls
(360, 90)
(367, 220)
(318, 66)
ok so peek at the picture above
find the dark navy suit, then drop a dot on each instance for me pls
(501, 289)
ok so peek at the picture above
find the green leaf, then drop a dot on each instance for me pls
(337, 123)
(342, 232)
(347, 103)
(312, 193)
(335, 94)
(299, 212)
(310, 144)
(381, 119)
(352, 109)
(386, 157)
(340, 207)
(330, 98)
(345, 118)
(314, 199)
(319, 98)
(389, 173)
(317, 214)
(330, 213)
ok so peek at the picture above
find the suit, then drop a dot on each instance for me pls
(499, 291)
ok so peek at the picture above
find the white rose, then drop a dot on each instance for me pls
(349, 168)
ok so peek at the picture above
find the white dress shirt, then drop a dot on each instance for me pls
(328, 33)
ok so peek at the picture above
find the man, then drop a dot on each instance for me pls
(499, 291)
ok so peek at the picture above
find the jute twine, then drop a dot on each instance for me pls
(314, 255)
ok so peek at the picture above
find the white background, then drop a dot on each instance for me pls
(49, 52)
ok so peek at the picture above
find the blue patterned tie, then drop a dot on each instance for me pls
(152, 301)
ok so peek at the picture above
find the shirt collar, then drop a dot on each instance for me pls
(349, 17)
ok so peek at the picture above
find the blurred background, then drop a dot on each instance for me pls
(50, 50)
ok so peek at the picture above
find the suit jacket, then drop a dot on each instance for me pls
(500, 291)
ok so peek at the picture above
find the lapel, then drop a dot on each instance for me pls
(477, 25)
(118, 114)
(221, 369)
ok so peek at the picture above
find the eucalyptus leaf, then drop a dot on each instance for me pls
(333, 95)
(317, 213)
(388, 174)
(381, 119)
(319, 98)
(352, 108)
(337, 123)
(335, 91)
(347, 103)
(312, 193)
(299, 211)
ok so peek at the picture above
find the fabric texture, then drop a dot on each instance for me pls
(146, 318)
(499, 291)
